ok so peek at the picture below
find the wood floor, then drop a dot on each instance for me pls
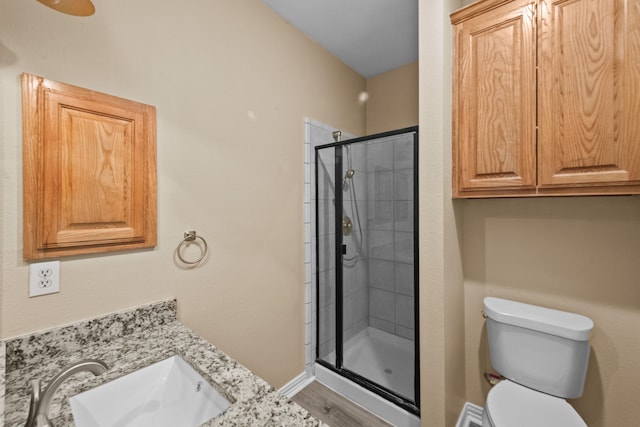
(333, 409)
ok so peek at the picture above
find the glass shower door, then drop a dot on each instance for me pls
(378, 266)
(326, 255)
(366, 275)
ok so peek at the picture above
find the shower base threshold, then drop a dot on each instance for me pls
(370, 401)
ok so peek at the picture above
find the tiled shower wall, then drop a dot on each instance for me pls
(391, 236)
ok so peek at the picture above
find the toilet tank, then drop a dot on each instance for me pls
(540, 348)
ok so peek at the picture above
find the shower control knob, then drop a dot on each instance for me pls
(347, 225)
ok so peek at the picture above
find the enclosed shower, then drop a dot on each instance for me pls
(366, 263)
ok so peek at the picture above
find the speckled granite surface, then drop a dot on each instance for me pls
(128, 341)
(2, 371)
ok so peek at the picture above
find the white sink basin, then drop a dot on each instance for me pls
(168, 393)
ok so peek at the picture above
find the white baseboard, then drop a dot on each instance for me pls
(291, 388)
(470, 413)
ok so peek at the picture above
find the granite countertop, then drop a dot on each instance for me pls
(127, 341)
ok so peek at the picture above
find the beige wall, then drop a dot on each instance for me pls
(232, 83)
(575, 254)
(393, 99)
(442, 341)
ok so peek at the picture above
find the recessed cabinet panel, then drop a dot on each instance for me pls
(589, 94)
(89, 171)
(495, 115)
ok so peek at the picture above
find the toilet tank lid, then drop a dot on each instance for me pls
(556, 322)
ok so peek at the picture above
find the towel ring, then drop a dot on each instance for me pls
(190, 236)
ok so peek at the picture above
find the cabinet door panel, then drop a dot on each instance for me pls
(91, 185)
(494, 97)
(89, 171)
(589, 90)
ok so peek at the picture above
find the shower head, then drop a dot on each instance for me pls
(348, 175)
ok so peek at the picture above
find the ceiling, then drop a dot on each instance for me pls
(370, 36)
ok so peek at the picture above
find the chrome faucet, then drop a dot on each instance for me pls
(41, 399)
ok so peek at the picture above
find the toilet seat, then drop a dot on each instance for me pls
(510, 404)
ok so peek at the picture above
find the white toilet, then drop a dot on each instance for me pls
(543, 355)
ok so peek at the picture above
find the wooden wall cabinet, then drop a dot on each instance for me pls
(546, 98)
(89, 171)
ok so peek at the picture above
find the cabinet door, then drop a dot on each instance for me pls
(89, 171)
(494, 100)
(589, 100)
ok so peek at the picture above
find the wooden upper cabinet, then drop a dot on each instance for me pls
(589, 99)
(89, 171)
(494, 99)
(571, 69)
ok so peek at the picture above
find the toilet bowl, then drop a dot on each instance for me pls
(512, 405)
(543, 355)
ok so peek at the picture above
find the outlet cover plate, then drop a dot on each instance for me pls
(44, 278)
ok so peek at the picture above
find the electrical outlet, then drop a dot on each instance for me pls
(44, 278)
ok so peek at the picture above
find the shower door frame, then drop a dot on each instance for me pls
(408, 405)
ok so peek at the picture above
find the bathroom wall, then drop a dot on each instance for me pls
(442, 333)
(393, 99)
(232, 83)
(576, 254)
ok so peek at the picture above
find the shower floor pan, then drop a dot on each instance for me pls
(382, 358)
(369, 353)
